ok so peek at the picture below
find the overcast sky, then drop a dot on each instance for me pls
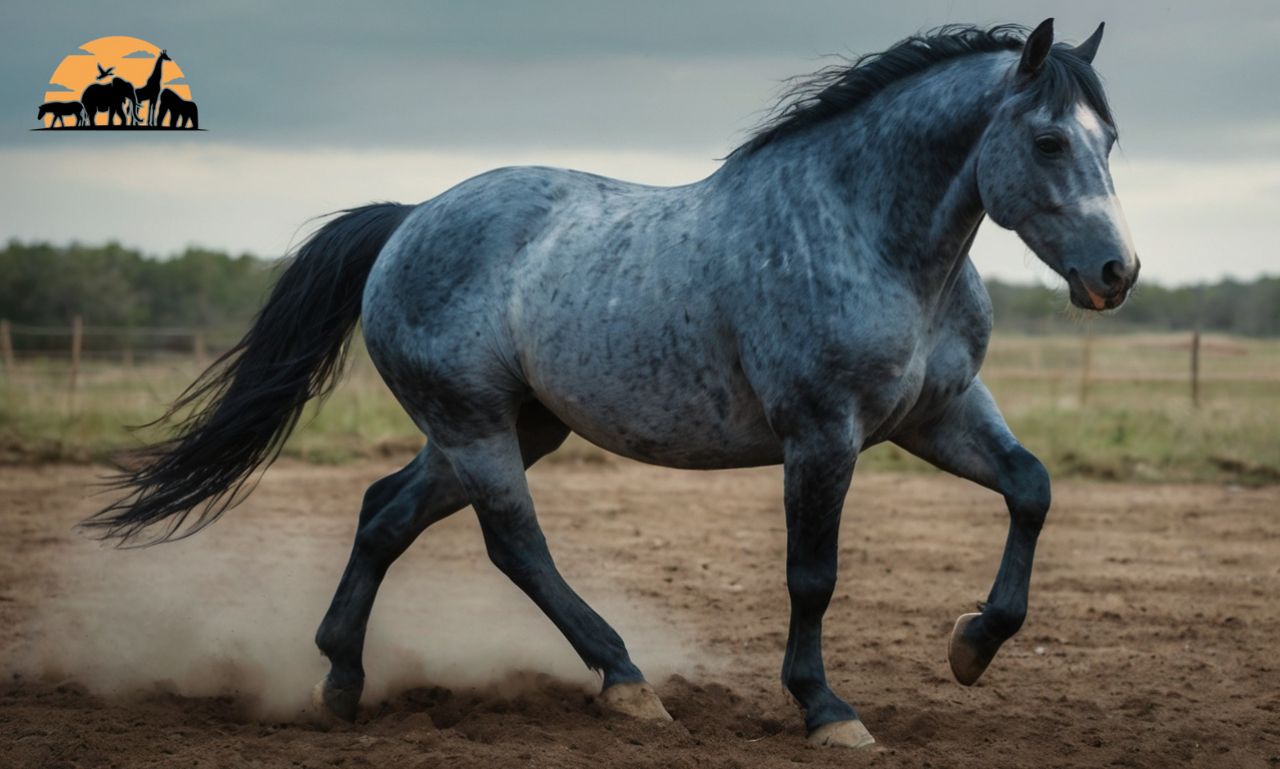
(312, 106)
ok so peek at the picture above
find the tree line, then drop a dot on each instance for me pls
(110, 285)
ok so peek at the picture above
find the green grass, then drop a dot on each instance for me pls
(1135, 423)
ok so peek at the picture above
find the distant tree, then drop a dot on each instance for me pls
(46, 285)
(109, 285)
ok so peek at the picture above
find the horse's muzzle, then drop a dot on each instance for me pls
(1109, 290)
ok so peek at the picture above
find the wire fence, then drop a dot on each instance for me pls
(38, 356)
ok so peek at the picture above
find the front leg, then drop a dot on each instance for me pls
(970, 439)
(818, 465)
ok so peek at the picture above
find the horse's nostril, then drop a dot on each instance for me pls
(1113, 274)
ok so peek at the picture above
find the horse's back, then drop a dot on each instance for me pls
(443, 285)
(459, 248)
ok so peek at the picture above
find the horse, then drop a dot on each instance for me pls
(183, 113)
(812, 297)
(111, 98)
(60, 110)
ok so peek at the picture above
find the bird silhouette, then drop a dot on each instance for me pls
(105, 72)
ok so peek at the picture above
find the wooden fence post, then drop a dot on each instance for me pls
(1195, 368)
(77, 339)
(1086, 364)
(6, 347)
(198, 348)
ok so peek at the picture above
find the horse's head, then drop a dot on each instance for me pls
(43, 109)
(1043, 170)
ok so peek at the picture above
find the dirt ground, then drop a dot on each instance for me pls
(1152, 640)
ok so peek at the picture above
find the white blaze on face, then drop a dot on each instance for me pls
(1103, 206)
(1107, 207)
(1088, 119)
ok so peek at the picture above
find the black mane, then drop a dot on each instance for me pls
(811, 99)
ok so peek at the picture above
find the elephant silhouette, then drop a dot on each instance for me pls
(60, 110)
(181, 113)
(111, 99)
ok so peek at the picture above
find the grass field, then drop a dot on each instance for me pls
(1133, 419)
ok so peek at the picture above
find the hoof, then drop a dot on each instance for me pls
(340, 703)
(968, 660)
(842, 734)
(637, 700)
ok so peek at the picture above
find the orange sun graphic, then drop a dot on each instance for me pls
(124, 57)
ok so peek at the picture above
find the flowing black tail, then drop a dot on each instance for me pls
(250, 399)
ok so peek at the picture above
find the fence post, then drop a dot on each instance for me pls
(1086, 364)
(6, 347)
(1195, 368)
(198, 348)
(77, 339)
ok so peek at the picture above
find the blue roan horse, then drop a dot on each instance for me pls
(812, 297)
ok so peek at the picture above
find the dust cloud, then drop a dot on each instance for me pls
(233, 612)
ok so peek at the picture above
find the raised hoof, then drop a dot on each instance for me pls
(637, 699)
(968, 659)
(340, 703)
(842, 734)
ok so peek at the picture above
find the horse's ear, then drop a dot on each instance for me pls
(1089, 48)
(1037, 47)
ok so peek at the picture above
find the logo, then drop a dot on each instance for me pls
(118, 83)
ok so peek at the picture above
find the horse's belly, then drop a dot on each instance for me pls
(684, 439)
(684, 405)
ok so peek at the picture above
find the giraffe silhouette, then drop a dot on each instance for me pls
(150, 92)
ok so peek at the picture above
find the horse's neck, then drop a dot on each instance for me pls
(916, 146)
(902, 167)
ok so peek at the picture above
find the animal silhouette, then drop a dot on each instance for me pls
(110, 98)
(105, 72)
(60, 110)
(181, 113)
(151, 90)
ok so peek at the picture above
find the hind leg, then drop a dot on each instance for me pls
(487, 461)
(396, 510)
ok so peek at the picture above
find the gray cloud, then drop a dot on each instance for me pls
(139, 55)
(579, 81)
(57, 88)
(176, 81)
(658, 75)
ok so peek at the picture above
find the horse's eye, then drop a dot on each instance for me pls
(1049, 145)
